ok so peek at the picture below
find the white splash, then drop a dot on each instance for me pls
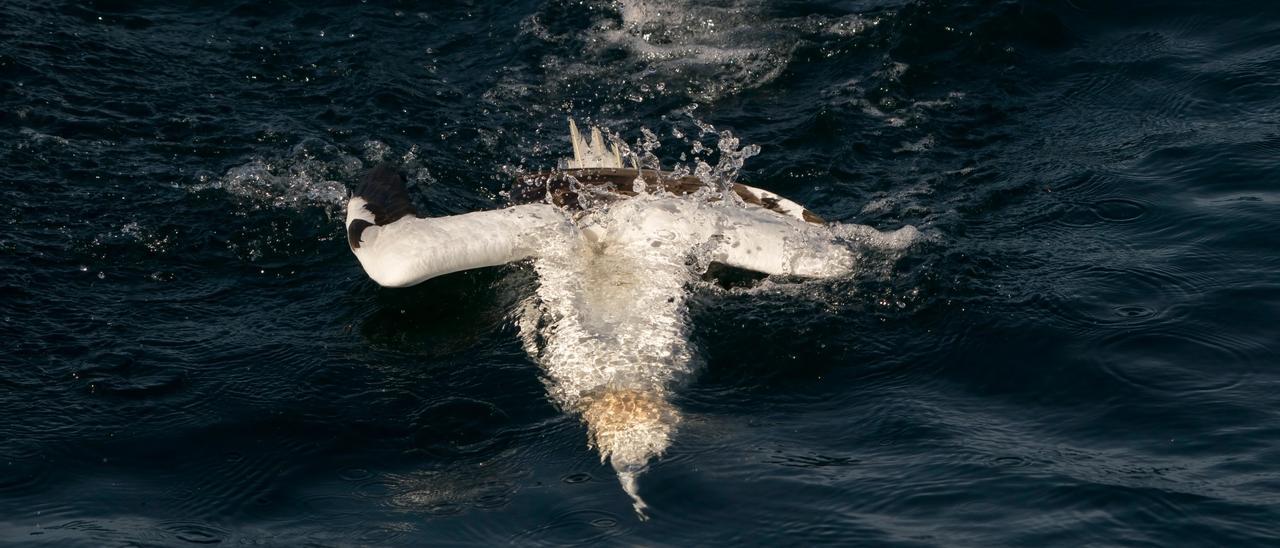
(298, 180)
(702, 50)
(609, 320)
(309, 175)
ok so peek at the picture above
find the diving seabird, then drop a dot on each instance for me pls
(615, 249)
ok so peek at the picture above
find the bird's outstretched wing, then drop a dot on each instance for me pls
(777, 244)
(398, 248)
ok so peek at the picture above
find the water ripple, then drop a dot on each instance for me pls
(1179, 362)
(1097, 298)
(575, 528)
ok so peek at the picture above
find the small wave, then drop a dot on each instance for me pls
(311, 174)
(574, 528)
(455, 490)
(1179, 362)
(701, 51)
(923, 144)
(1127, 296)
(295, 181)
(190, 532)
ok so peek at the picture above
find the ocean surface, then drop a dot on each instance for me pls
(1082, 348)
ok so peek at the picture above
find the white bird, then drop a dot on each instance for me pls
(608, 321)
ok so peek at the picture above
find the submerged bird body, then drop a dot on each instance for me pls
(608, 321)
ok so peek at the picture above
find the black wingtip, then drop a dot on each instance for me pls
(355, 230)
(385, 194)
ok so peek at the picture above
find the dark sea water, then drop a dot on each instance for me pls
(1082, 350)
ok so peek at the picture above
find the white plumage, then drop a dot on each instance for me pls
(411, 250)
(608, 321)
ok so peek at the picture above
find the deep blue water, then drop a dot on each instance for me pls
(1082, 351)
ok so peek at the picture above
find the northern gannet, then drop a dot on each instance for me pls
(616, 250)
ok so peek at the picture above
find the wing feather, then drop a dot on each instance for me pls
(763, 241)
(398, 248)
